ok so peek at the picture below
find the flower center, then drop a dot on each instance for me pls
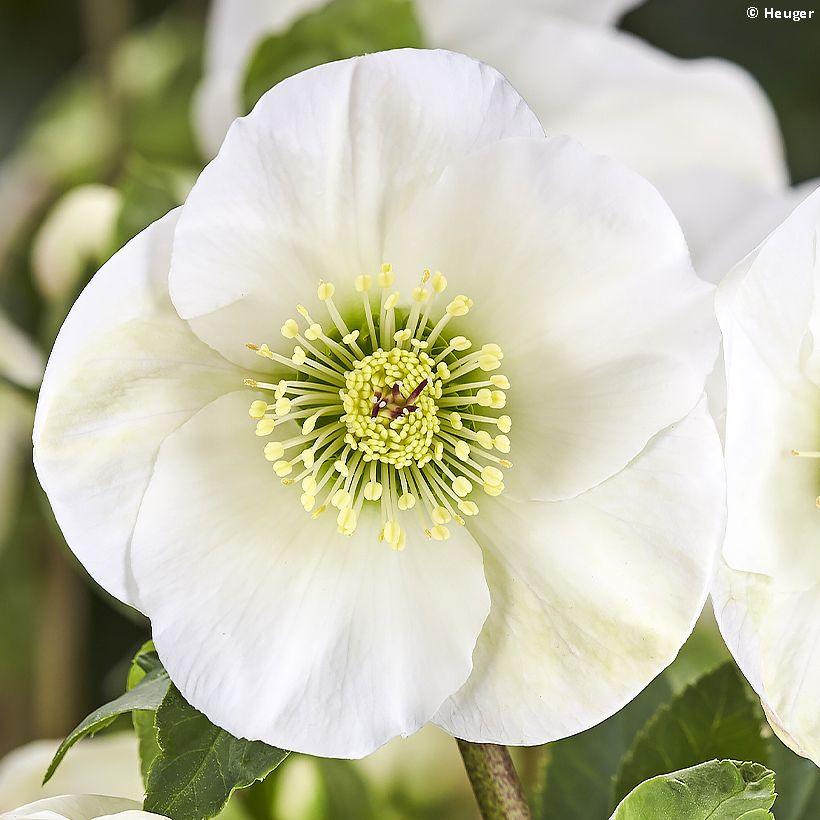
(808, 454)
(388, 409)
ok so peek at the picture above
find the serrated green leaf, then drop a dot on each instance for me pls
(144, 662)
(200, 765)
(718, 790)
(580, 770)
(147, 694)
(341, 29)
(716, 717)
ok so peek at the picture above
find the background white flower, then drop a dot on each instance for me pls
(595, 558)
(81, 807)
(767, 591)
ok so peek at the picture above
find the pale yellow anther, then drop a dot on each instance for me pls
(484, 439)
(363, 283)
(420, 294)
(393, 533)
(309, 424)
(439, 282)
(373, 490)
(440, 533)
(468, 507)
(494, 489)
(455, 420)
(303, 312)
(458, 307)
(288, 482)
(502, 444)
(307, 457)
(346, 521)
(351, 337)
(500, 381)
(314, 332)
(441, 515)
(484, 397)
(505, 463)
(257, 409)
(504, 423)
(401, 335)
(386, 276)
(406, 501)
(281, 389)
(282, 407)
(308, 501)
(263, 350)
(462, 486)
(492, 350)
(392, 300)
(341, 499)
(282, 468)
(290, 330)
(442, 370)
(462, 450)
(250, 382)
(419, 344)
(274, 450)
(325, 290)
(498, 399)
(318, 511)
(492, 476)
(299, 356)
(438, 451)
(264, 427)
(488, 362)
(460, 343)
(425, 276)
(341, 468)
(309, 484)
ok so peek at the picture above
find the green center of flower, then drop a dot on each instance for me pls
(388, 409)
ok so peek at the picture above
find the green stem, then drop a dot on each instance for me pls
(494, 781)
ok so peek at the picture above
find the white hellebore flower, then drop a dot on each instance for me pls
(80, 807)
(512, 406)
(767, 593)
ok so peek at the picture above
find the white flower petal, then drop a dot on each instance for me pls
(277, 627)
(766, 309)
(580, 273)
(593, 597)
(80, 807)
(125, 372)
(773, 631)
(305, 186)
(235, 28)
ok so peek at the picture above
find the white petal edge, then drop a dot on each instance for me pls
(79, 807)
(580, 272)
(124, 372)
(277, 627)
(592, 597)
(306, 186)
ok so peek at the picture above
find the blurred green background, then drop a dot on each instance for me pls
(73, 74)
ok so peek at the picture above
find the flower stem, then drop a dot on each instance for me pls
(494, 781)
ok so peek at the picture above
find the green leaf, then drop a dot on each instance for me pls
(716, 717)
(341, 29)
(580, 770)
(144, 662)
(719, 790)
(200, 765)
(147, 694)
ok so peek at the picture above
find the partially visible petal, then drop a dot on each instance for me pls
(20, 361)
(306, 185)
(580, 273)
(766, 309)
(773, 631)
(80, 807)
(593, 597)
(234, 29)
(296, 635)
(124, 373)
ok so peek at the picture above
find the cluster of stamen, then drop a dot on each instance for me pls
(808, 454)
(386, 409)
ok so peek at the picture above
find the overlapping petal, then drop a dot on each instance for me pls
(306, 186)
(293, 634)
(592, 597)
(81, 807)
(125, 372)
(582, 276)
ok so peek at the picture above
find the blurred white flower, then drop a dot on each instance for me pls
(236, 27)
(75, 235)
(107, 764)
(80, 807)
(589, 549)
(701, 131)
(767, 591)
